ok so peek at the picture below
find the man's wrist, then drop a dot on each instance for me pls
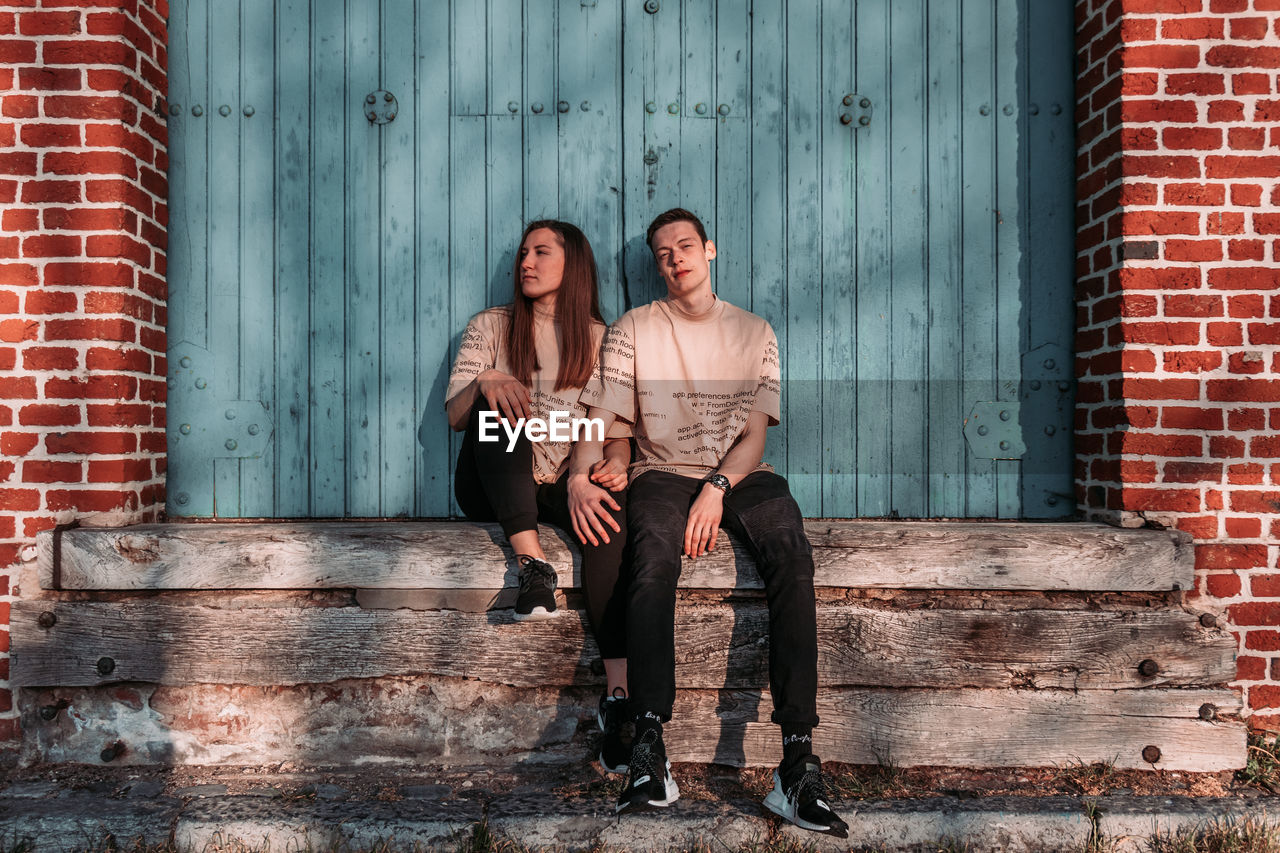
(719, 482)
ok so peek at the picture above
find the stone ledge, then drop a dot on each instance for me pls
(73, 820)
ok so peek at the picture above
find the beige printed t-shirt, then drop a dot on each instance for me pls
(484, 347)
(687, 384)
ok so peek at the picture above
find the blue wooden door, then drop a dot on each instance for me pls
(348, 181)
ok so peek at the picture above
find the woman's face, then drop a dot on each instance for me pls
(541, 265)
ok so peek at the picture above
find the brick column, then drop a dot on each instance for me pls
(82, 291)
(1178, 295)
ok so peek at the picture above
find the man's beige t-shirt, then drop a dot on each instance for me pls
(687, 383)
(484, 347)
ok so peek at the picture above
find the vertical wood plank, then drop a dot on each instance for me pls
(186, 252)
(978, 308)
(639, 136)
(1047, 176)
(469, 59)
(698, 129)
(435, 322)
(732, 224)
(225, 231)
(258, 312)
(873, 263)
(768, 220)
(838, 330)
(802, 356)
(946, 451)
(1009, 229)
(397, 375)
(364, 280)
(187, 249)
(505, 129)
(541, 140)
(590, 132)
(329, 118)
(907, 234)
(292, 414)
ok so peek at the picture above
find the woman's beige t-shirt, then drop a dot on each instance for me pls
(686, 383)
(484, 347)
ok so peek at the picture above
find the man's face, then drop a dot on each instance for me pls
(683, 259)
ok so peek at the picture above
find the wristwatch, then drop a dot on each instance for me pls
(721, 482)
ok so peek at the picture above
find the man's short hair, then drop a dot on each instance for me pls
(675, 214)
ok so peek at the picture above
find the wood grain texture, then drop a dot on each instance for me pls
(461, 555)
(970, 728)
(719, 645)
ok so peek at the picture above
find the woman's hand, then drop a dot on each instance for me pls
(610, 474)
(703, 527)
(587, 503)
(504, 393)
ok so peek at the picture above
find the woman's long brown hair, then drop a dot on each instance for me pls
(577, 306)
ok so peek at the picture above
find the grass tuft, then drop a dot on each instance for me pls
(1089, 779)
(1225, 835)
(1262, 767)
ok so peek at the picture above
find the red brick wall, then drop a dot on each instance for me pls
(82, 291)
(1178, 295)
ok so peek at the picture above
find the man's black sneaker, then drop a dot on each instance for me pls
(537, 598)
(801, 797)
(649, 782)
(612, 716)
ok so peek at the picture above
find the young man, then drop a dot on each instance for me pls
(699, 381)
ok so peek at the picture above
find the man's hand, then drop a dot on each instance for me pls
(610, 474)
(504, 393)
(703, 527)
(587, 503)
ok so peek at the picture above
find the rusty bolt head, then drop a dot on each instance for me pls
(1208, 711)
(47, 619)
(106, 666)
(1151, 754)
(1208, 620)
(1148, 668)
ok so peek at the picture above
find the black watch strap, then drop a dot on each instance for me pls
(721, 482)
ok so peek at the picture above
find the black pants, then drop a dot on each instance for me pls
(766, 519)
(494, 485)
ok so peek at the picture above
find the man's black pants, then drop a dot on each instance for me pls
(766, 519)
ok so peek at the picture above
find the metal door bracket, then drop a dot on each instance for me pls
(380, 107)
(994, 431)
(855, 110)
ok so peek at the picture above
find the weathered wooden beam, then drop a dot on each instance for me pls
(460, 555)
(718, 645)
(973, 728)
(456, 720)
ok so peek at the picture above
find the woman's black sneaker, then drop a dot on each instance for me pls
(537, 597)
(649, 783)
(800, 796)
(613, 716)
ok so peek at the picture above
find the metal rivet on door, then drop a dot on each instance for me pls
(248, 110)
(382, 107)
(563, 106)
(700, 109)
(224, 110)
(861, 113)
(174, 109)
(513, 106)
(651, 6)
(197, 110)
(537, 108)
(673, 108)
(723, 110)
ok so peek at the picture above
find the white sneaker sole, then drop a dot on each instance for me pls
(537, 614)
(778, 803)
(672, 794)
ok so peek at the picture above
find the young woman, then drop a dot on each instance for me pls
(526, 360)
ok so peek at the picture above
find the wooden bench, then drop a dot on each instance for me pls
(945, 643)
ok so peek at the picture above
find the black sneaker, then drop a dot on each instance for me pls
(537, 598)
(801, 797)
(649, 783)
(612, 716)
